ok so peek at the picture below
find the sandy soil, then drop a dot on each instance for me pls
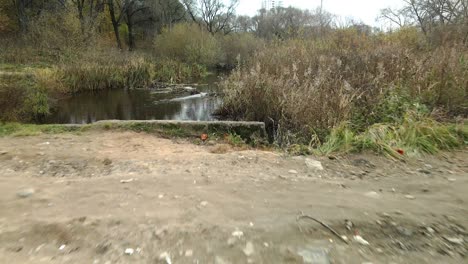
(62, 200)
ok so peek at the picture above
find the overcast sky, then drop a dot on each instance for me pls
(363, 10)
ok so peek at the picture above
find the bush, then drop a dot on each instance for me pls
(22, 99)
(188, 43)
(238, 47)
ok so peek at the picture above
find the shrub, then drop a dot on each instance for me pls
(238, 47)
(188, 43)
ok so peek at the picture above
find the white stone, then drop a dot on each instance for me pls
(361, 240)
(25, 193)
(127, 181)
(313, 164)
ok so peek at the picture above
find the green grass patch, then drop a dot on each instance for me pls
(17, 129)
(415, 135)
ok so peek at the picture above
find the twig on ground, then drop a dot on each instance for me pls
(302, 215)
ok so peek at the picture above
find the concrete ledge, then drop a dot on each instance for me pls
(249, 131)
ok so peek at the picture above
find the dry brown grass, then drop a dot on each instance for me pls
(221, 149)
(303, 88)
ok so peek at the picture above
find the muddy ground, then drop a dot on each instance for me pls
(89, 198)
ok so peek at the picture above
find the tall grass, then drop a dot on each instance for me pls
(304, 88)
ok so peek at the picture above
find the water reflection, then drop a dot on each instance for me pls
(132, 105)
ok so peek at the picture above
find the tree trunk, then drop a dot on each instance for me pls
(21, 13)
(115, 23)
(131, 37)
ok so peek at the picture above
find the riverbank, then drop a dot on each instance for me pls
(243, 132)
(92, 197)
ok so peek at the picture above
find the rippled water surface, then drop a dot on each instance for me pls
(137, 104)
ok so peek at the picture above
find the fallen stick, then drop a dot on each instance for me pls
(302, 215)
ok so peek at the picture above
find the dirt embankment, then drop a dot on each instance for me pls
(134, 198)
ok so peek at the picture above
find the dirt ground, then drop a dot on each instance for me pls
(90, 198)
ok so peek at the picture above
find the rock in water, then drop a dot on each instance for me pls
(313, 164)
(25, 193)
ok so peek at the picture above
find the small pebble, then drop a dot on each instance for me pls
(430, 230)
(454, 240)
(189, 253)
(25, 193)
(129, 251)
(411, 197)
(166, 257)
(237, 234)
(249, 249)
(62, 247)
(293, 171)
(126, 181)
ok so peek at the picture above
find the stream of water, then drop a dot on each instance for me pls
(136, 104)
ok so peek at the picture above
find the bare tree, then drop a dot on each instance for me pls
(166, 13)
(115, 14)
(290, 22)
(429, 14)
(214, 15)
(26, 10)
(398, 17)
(87, 12)
(125, 11)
